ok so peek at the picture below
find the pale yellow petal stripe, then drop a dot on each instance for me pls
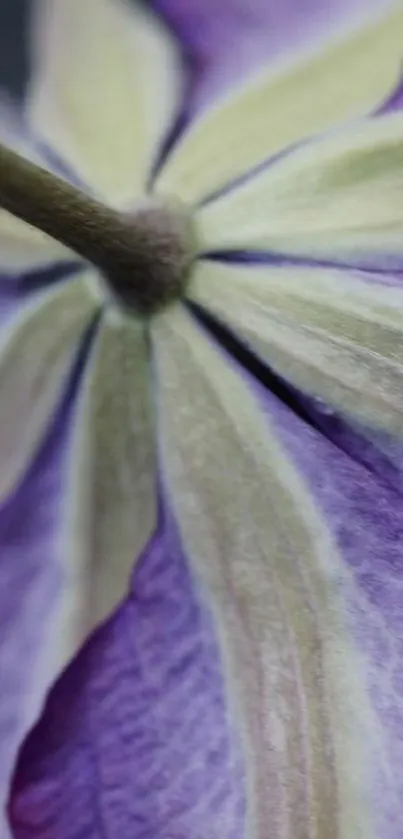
(327, 332)
(274, 581)
(340, 198)
(105, 88)
(37, 350)
(347, 79)
(111, 511)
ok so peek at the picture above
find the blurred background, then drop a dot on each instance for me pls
(13, 53)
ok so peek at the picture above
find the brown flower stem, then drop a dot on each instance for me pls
(143, 255)
(53, 205)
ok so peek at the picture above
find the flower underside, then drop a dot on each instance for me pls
(273, 436)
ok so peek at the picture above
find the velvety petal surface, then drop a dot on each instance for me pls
(276, 583)
(111, 512)
(340, 199)
(329, 332)
(105, 87)
(345, 79)
(136, 740)
(228, 40)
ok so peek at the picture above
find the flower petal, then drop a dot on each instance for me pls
(105, 88)
(36, 353)
(275, 582)
(340, 198)
(228, 40)
(112, 498)
(328, 332)
(347, 79)
(145, 699)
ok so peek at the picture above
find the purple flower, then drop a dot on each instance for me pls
(240, 445)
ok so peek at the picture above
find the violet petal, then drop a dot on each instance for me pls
(136, 739)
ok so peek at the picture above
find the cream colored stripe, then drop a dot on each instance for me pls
(111, 510)
(347, 79)
(274, 582)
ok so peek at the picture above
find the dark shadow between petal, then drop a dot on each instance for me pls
(42, 278)
(311, 410)
(64, 409)
(391, 265)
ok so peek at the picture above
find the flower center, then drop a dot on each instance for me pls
(146, 259)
